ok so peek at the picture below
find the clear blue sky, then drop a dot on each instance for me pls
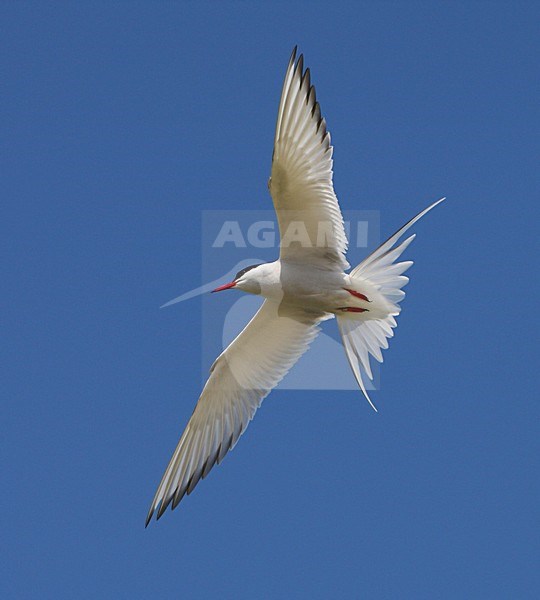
(121, 122)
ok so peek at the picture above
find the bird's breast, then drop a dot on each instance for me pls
(306, 286)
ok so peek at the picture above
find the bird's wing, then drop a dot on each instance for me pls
(253, 364)
(309, 217)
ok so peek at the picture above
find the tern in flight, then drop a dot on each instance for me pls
(306, 285)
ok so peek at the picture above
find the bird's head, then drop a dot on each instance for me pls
(247, 280)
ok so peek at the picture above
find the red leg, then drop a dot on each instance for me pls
(357, 294)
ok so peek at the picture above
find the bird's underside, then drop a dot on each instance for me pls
(307, 285)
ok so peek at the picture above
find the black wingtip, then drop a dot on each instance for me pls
(178, 498)
(299, 68)
(306, 80)
(149, 518)
(293, 53)
(292, 60)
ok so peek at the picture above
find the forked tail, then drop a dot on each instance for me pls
(363, 334)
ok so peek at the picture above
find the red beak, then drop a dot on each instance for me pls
(224, 287)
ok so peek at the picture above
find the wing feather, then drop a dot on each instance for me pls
(309, 217)
(240, 379)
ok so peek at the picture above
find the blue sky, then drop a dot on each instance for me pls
(121, 123)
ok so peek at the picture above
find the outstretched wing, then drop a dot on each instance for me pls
(309, 217)
(241, 377)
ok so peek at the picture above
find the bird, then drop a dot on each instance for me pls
(309, 283)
